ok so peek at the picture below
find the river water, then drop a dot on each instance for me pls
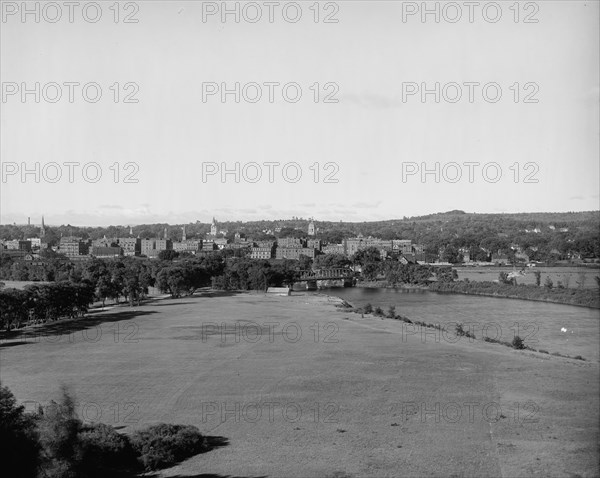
(538, 323)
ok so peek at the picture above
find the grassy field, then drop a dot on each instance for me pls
(292, 386)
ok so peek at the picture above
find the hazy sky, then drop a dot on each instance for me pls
(375, 61)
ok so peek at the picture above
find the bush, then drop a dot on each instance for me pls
(163, 445)
(102, 451)
(542, 351)
(368, 309)
(391, 313)
(460, 331)
(517, 343)
(378, 311)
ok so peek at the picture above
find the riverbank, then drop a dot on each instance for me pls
(579, 297)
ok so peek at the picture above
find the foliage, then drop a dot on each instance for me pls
(19, 440)
(163, 445)
(518, 343)
(101, 451)
(368, 309)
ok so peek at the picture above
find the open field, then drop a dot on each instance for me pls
(316, 391)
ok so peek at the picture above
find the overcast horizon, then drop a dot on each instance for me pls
(360, 139)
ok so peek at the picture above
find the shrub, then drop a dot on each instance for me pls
(542, 351)
(102, 451)
(578, 357)
(548, 284)
(378, 311)
(163, 445)
(517, 343)
(368, 309)
(391, 313)
(460, 331)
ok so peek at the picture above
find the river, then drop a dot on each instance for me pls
(539, 324)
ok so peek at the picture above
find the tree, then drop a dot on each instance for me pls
(19, 440)
(168, 255)
(538, 278)
(548, 284)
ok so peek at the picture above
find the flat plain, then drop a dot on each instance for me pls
(293, 386)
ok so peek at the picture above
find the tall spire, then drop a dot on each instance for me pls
(183, 236)
(43, 228)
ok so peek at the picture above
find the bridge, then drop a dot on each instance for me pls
(326, 274)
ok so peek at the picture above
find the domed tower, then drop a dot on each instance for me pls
(311, 228)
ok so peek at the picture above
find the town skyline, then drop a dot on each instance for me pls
(32, 220)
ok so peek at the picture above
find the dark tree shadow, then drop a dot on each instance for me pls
(211, 443)
(45, 332)
(212, 475)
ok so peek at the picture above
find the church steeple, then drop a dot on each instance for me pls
(213, 227)
(42, 228)
(183, 236)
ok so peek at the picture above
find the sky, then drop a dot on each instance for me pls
(329, 120)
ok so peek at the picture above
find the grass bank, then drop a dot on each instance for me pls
(580, 297)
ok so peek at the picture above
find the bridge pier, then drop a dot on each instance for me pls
(311, 285)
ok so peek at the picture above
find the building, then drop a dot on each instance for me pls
(188, 245)
(220, 242)
(403, 246)
(311, 228)
(290, 242)
(106, 252)
(163, 244)
(355, 244)
(294, 252)
(36, 242)
(146, 246)
(213, 228)
(314, 243)
(17, 245)
(261, 253)
(131, 246)
(334, 249)
(73, 247)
